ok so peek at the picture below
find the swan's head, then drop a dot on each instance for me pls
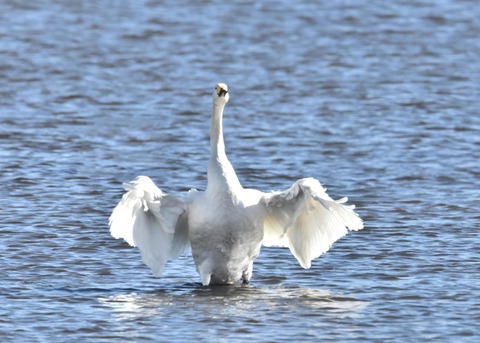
(220, 95)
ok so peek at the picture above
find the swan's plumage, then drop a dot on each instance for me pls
(153, 221)
(226, 224)
(306, 220)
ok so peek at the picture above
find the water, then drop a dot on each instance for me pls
(379, 101)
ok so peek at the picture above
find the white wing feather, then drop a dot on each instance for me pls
(306, 220)
(151, 220)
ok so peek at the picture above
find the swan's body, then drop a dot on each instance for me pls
(227, 224)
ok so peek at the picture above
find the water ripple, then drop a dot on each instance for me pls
(378, 101)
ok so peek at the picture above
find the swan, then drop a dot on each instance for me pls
(226, 225)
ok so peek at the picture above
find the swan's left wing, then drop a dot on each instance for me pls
(151, 220)
(306, 220)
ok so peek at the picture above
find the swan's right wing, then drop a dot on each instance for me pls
(153, 221)
(306, 220)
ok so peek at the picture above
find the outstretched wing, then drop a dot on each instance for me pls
(151, 220)
(306, 220)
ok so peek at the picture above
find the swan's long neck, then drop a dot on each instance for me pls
(221, 175)
(217, 144)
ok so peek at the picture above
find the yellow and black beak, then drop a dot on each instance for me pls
(222, 92)
(221, 89)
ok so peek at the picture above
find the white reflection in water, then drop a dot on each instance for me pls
(232, 302)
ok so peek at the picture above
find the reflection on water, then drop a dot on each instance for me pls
(229, 303)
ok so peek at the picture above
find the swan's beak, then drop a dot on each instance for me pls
(221, 89)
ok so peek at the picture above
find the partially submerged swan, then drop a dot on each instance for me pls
(227, 224)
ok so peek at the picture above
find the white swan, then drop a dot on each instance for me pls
(226, 224)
